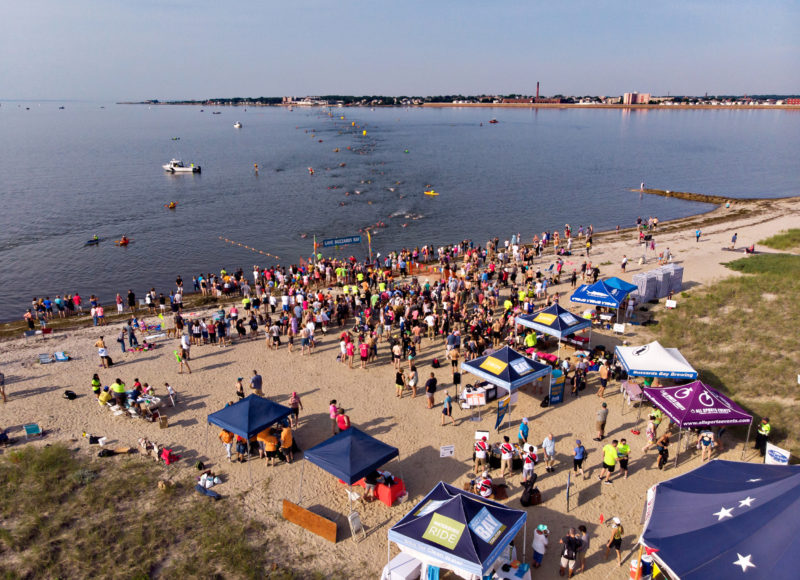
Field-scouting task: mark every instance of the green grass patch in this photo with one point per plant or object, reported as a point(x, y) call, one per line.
point(785, 240)
point(741, 336)
point(66, 515)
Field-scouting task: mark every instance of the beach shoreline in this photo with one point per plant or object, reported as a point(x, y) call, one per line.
point(739, 209)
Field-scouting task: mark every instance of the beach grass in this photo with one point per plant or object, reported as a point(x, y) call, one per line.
point(67, 514)
point(785, 240)
point(741, 336)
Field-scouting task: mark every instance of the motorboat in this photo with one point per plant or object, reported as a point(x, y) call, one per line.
point(237, 125)
point(493, 121)
point(177, 166)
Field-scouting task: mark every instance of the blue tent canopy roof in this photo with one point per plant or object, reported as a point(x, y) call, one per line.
point(506, 368)
point(248, 417)
point(621, 284)
point(464, 531)
point(600, 294)
point(555, 321)
point(351, 455)
point(727, 520)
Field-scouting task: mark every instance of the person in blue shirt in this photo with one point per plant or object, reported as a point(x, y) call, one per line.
point(578, 455)
point(522, 434)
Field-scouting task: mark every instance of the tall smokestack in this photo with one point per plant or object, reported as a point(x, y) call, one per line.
point(537, 90)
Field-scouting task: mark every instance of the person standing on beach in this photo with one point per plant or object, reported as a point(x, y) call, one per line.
point(522, 434)
point(604, 372)
point(624, 263)
point(333, 410)
point(295, 404)
point(430, 390)
point(256, 384)
point(609, 462)
point(549, 449)
point(342, 420)
point(623, 455)
point(697, 235)
point(447, 409)
point(131, 300)
point(102, 351)
point(600, 422)
point(733, 241)
point(616, 539)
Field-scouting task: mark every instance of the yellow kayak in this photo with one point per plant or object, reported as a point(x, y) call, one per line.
point(431, 192)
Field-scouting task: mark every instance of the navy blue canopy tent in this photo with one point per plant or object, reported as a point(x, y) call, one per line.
point(506, 368)
point(726, 520)
point(600, 294)
point(248, 417)
point(351, 455)
point(454, 529)
point(555, 321)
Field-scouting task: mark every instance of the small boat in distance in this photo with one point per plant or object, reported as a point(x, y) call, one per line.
point(177, 166)
point(237, 125)
point(216, 113)
point(493, 121)
point(431, 192)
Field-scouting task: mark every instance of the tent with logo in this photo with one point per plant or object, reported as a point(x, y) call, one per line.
point(621, 284)
point(506, 368)
point(697, 405)
point(600, 294)
point(555, 321)
point(653, 360)
point(248, 417)
point(726, 520)
point(457, 530)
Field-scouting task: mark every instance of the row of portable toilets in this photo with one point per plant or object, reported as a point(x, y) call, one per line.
point(658, 283)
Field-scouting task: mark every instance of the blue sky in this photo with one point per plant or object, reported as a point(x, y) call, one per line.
point(171, 49)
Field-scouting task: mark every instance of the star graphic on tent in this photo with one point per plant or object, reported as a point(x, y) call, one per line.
point(746, 501)
point(723, 513)
point(754, 480)
point(744, 562)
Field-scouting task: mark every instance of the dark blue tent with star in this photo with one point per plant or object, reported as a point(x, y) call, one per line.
point(506, 368)
point(726, 520)
point(454, 529)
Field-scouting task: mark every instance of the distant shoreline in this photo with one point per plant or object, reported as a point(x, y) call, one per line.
point(481, 106)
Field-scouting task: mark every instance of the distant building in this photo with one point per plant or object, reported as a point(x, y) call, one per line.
point(793, 101)
point(526, 100)
point(635, 98)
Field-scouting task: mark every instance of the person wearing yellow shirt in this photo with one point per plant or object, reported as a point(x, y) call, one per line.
point(104, 397)
point(270, 445)
point(623, 454)
point(118, 389)
point(530, 339)
point(609, 461)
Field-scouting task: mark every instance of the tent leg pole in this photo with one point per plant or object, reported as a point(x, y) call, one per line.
point(678, 450)
point(524, 543)
point(747, 441)
point(300, 494)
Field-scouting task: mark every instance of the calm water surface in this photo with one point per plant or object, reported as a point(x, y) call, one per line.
point(68, 174)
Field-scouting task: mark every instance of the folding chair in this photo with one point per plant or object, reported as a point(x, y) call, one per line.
point(29, 333)
point(357, 530)
point(32, 429)
point(45, 358)
point(46, 332)
point(61, 356)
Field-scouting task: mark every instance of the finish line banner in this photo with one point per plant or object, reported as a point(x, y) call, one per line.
point(346, 241)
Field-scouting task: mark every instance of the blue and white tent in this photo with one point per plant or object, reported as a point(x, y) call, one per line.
point(506, 368)
point(555, 321)
point(620, 284)
point(457, 530)
point(600, 294)
point(653, 360)
point(726, 520)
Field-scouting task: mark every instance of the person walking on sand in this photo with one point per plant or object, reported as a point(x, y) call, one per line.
point(609, 462)
point(697, 235)
point(569, 552)
point(181, 361)
point(624, 263)
point(615, 541)
point(400, 383)
point(333, 410)
point(733, 241)
point(623, 455)
point(481, 450)
point(583, 536)
point(539, 544)
point(240, 388)
point(295, 404)
point(447, 409)
point(578, 455)
point(549, 450)
point(604, 372)
point(600, 422)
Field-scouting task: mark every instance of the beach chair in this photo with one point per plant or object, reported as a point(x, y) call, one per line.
point(46, 332)
point(31, 430)
point(61, 356)
point(45, 358)
point(357, 531)
point(29, 333)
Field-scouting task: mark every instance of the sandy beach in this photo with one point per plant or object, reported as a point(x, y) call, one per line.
point(35, 395)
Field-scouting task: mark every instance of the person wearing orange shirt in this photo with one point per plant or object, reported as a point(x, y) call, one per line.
point(227, 440)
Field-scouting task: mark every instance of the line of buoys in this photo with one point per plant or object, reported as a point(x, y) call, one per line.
point(248, 247)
